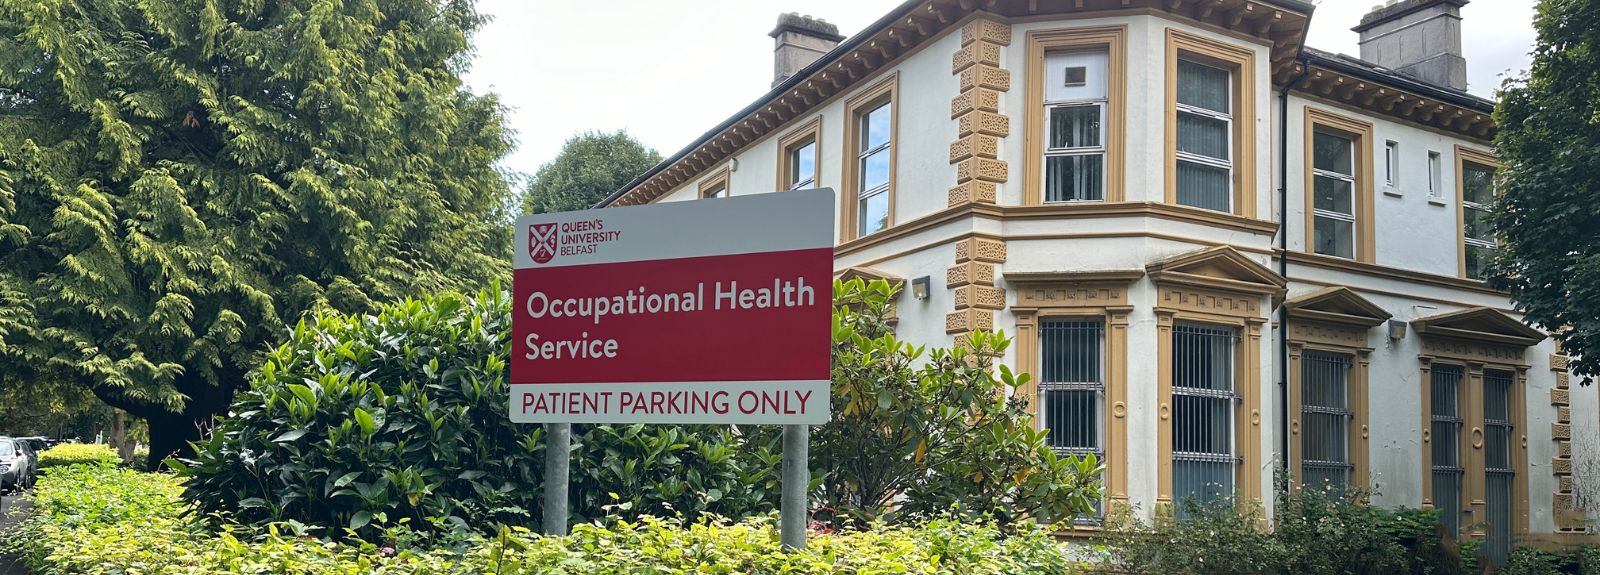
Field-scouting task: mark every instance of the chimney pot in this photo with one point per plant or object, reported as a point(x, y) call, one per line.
point(1417, 38)
point(798, 41)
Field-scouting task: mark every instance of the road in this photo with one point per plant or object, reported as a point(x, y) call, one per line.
point(14, 510)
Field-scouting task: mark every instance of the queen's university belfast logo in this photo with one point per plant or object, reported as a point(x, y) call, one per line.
point(542, 242)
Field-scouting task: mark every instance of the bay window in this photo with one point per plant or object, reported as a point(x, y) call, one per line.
point(1075, 111)
point(1205, 136)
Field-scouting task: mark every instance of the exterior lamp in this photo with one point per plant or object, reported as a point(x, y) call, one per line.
point(919, 288)
point(1397, 329)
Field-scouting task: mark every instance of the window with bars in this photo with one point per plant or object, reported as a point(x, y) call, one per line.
point(1498, 469)
point(1325, 419)
point(1334, 180)
point(1075, 110)
point(1072, 386)
point(1205, 136)
point(1203, 411)
point(1477, 196)
point(1445, 435)
point(873, 156)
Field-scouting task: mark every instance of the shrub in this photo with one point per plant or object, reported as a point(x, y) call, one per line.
point(1330, 531)
point(935, 432)
point(1212, 538)
point(78, 453)
point(403, 414)
point(143, 534)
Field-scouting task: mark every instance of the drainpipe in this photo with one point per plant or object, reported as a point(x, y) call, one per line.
point(1283, 262)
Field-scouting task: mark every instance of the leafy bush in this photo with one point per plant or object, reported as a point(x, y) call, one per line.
point(935, 432)
point(1213, 538)
point(78, 453)
point(1527, 561)
point(130, 525)
point(1331, 531)
point(403, 414)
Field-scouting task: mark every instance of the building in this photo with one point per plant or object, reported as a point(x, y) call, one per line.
point(1216, 247)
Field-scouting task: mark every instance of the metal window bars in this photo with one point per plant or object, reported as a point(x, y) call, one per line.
point(1072, 386)
point(1498, 470)
point(1445, 398)
point(1204, 403)
point(1325, 417)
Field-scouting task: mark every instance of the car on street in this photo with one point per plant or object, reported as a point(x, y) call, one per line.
point(18, 465)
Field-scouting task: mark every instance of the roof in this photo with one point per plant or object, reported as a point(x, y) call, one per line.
point(1372, 72)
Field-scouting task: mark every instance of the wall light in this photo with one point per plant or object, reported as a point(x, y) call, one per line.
point(919, 288)
point(1397, 329)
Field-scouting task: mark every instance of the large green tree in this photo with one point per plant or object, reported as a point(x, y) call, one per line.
point(1547, 215)
point(181, 180)
point(590, 166)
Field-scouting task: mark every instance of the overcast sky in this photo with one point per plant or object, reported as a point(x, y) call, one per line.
point(667, 71)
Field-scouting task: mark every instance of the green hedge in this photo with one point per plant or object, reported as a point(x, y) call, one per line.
point(100, 520)
point(78, 453)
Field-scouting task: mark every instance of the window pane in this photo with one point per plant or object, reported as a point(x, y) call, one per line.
point(1204, 186)
point(1203, 135)
point(1331, 153)
point(1203, 86)
point(1071, 351)
point(875, 170)
point(1446, 440)
point(875, 127)
point(1335, 237)
point(874, 214)
point(1072, 178)
point(1478, 261)
point(1325, 418)
point(802, 164)
point(1202, 412)
point(1333, 195)
point(1092, 65)
point(1476, 223)
point(1070, 417)
point(1074, 127)
point(1477, 184)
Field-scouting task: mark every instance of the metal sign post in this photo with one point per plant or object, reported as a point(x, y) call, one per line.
point(706, 312)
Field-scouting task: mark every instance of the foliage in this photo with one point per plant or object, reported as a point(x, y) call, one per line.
point(103, 521)
point(180, 181)
point(78, 454)
point(51, 408)
point(1529, 561)
point(590, 167)
point(1330, 531)
point(1549, 132)
point(947, 434)
point(1213, 538)
point(403, 414)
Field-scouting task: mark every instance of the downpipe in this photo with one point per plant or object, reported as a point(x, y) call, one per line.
point(1283, 270)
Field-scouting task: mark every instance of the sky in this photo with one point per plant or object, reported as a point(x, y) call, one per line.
point(668, 70)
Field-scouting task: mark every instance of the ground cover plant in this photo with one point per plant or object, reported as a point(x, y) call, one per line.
point(78, 453)
point(100, 520)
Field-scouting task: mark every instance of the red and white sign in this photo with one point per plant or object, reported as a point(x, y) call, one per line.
point(708, 311)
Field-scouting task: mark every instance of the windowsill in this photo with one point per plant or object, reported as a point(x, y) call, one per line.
point(1437, 201)
point(1393, 192)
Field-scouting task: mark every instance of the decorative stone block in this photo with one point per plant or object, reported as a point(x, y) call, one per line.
point(973, 192)
point(1560, 397)
point(1564, 483)
point(975, 145)
point(1561, 431)
point(969, 320)
point(975, 99)
point(981, 169)
point(969, 273)
point(981, 122)
point(1563, 379)
point(1561, 466)
point(981, 297)
point(981, 249)
point(981, 76)
point(1564, 449)
point(1564, 414)
point(1558, 362)
point(981, 52)
point(986, 30)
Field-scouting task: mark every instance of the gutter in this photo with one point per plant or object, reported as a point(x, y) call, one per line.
point(1283, 261)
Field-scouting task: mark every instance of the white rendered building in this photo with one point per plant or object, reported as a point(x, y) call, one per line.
point(1217, 249)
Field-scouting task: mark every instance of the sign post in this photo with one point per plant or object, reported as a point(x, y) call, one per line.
point(713, 311)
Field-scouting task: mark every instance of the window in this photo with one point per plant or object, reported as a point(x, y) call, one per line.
point(1445, 435)
point(715, 186)
point(1477, 198)
point(869, 164)
point(1334, 195)
point(1499, 472)
point(1203, 399)
point(798, 158)
point(1435, 172)
point(1072, 385)
point(1205, 136)
point(1075, 130)
point(1325, 417)
point(1391, 164)
point(1075, 110)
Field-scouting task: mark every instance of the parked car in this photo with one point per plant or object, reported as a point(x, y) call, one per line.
point(18, 465)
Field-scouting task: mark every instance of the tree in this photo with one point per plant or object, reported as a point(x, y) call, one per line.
point(181, 181)
point(590, 167)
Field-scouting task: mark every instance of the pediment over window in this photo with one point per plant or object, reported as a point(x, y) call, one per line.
point(869, 274)
point(1479, 324)
point(1340, 305)
point(1221, 268)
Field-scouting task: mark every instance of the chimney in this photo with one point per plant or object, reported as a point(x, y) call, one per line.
point(799, 41)
point(1417, 38)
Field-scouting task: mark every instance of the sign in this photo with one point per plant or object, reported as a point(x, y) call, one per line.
point(708, 311)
